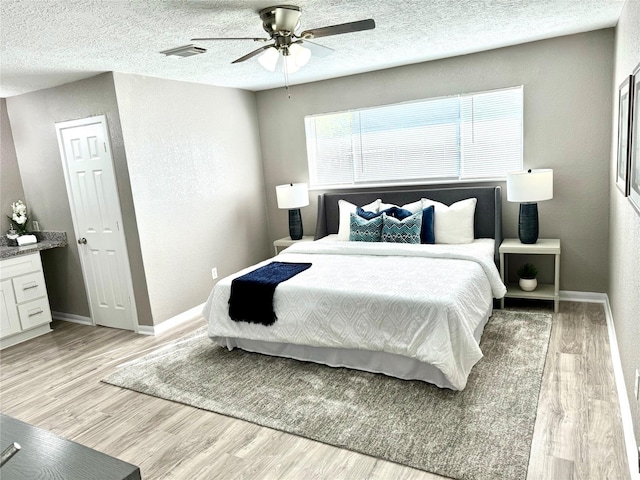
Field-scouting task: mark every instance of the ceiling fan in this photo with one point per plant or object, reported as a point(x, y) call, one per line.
point(281, 22)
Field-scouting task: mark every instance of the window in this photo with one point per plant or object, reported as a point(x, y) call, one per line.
point(463, 137)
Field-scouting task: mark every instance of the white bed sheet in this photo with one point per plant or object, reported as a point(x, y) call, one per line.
point(418, 301)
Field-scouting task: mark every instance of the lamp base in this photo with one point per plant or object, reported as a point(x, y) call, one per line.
point(295, 224)
point(528, 223)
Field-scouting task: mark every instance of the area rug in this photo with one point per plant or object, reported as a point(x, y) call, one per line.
point(483, 432)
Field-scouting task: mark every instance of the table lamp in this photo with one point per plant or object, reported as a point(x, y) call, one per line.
point(292, 196)
point(528, 188)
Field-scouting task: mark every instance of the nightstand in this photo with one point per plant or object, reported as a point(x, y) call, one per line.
point(285, 242)
point(544, 246)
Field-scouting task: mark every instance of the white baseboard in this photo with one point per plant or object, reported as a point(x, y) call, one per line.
point(146, 330)
point(591, 297)
point(625, 408)
point(173, 322)
point(623, 399)
point(142, 329)
point(70, 317)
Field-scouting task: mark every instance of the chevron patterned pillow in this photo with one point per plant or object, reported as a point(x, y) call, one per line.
point(401, 231)
point(363, 230)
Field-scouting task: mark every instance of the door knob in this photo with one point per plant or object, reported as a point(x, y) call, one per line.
point(82, 240)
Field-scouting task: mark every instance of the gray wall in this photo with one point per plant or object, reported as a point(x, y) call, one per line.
point(567, 111)
point(624, 226)
point(10, 180)
point(33, 117)
point(193, 154)
point(189, 173)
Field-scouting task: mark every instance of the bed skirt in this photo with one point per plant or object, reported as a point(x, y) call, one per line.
point(390, 364)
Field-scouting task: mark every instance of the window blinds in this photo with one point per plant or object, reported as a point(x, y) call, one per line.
point(491, 133)
point(461, 137)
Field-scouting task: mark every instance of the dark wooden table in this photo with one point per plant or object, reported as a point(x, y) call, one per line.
point(45, 455)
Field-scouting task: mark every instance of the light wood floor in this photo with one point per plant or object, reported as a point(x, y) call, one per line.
point(54, 382)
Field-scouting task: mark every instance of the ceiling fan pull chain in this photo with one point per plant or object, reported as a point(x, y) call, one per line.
point(286, 77)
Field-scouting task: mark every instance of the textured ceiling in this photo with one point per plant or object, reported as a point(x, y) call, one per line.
point(45, 43)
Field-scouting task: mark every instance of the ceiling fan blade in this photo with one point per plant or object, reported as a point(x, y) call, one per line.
point(230, 38)
point(358, 26)
point(252, 54)
point(316, 49)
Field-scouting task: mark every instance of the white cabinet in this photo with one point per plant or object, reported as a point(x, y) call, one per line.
point(24, 305)
point(9, 320)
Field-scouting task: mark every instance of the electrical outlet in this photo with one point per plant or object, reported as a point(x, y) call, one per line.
point(35, 225)
point(637, 383)
point(214, 274)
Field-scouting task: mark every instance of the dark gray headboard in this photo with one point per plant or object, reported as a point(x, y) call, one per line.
point(488, 219)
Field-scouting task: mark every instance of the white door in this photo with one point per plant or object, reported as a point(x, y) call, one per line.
point(93, 196)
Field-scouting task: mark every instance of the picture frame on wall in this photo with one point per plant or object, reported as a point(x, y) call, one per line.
point(634, 141)
point(625, 105)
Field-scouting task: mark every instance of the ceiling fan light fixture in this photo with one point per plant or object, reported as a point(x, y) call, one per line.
point(289, 65)
point(300, 54)
point(281, 18)
point(281, 23)
point(269, 59)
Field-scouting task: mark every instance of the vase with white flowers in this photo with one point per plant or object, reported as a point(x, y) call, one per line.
point(19, 218)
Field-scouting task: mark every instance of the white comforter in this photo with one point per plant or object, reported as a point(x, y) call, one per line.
point(419, 301)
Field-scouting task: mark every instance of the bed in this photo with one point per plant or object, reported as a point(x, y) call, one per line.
point(415, 312)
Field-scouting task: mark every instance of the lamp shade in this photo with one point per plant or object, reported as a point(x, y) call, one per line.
point(300, 54)
point(530, 186)
point(269, 59)
point(292, 195)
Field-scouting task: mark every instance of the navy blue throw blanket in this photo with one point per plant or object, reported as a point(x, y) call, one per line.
point(251, 297)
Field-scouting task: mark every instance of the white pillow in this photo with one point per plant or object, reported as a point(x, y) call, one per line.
point(346, 209)
point(413, 207)
point(453, 224)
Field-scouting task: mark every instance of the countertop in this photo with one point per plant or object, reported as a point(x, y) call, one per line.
point(46, 241)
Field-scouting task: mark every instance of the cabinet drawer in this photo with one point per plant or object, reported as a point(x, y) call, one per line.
point(34, 313)
point(19, 265)
point(29, 287)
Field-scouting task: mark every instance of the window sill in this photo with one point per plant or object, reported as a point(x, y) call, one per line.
point(357, 186)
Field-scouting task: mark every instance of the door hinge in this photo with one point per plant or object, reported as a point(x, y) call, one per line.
point(105, 146)
point(117, 225)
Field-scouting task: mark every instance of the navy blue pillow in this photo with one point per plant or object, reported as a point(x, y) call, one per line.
point(366, 214)
point(426, 232)
point(395, 212)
